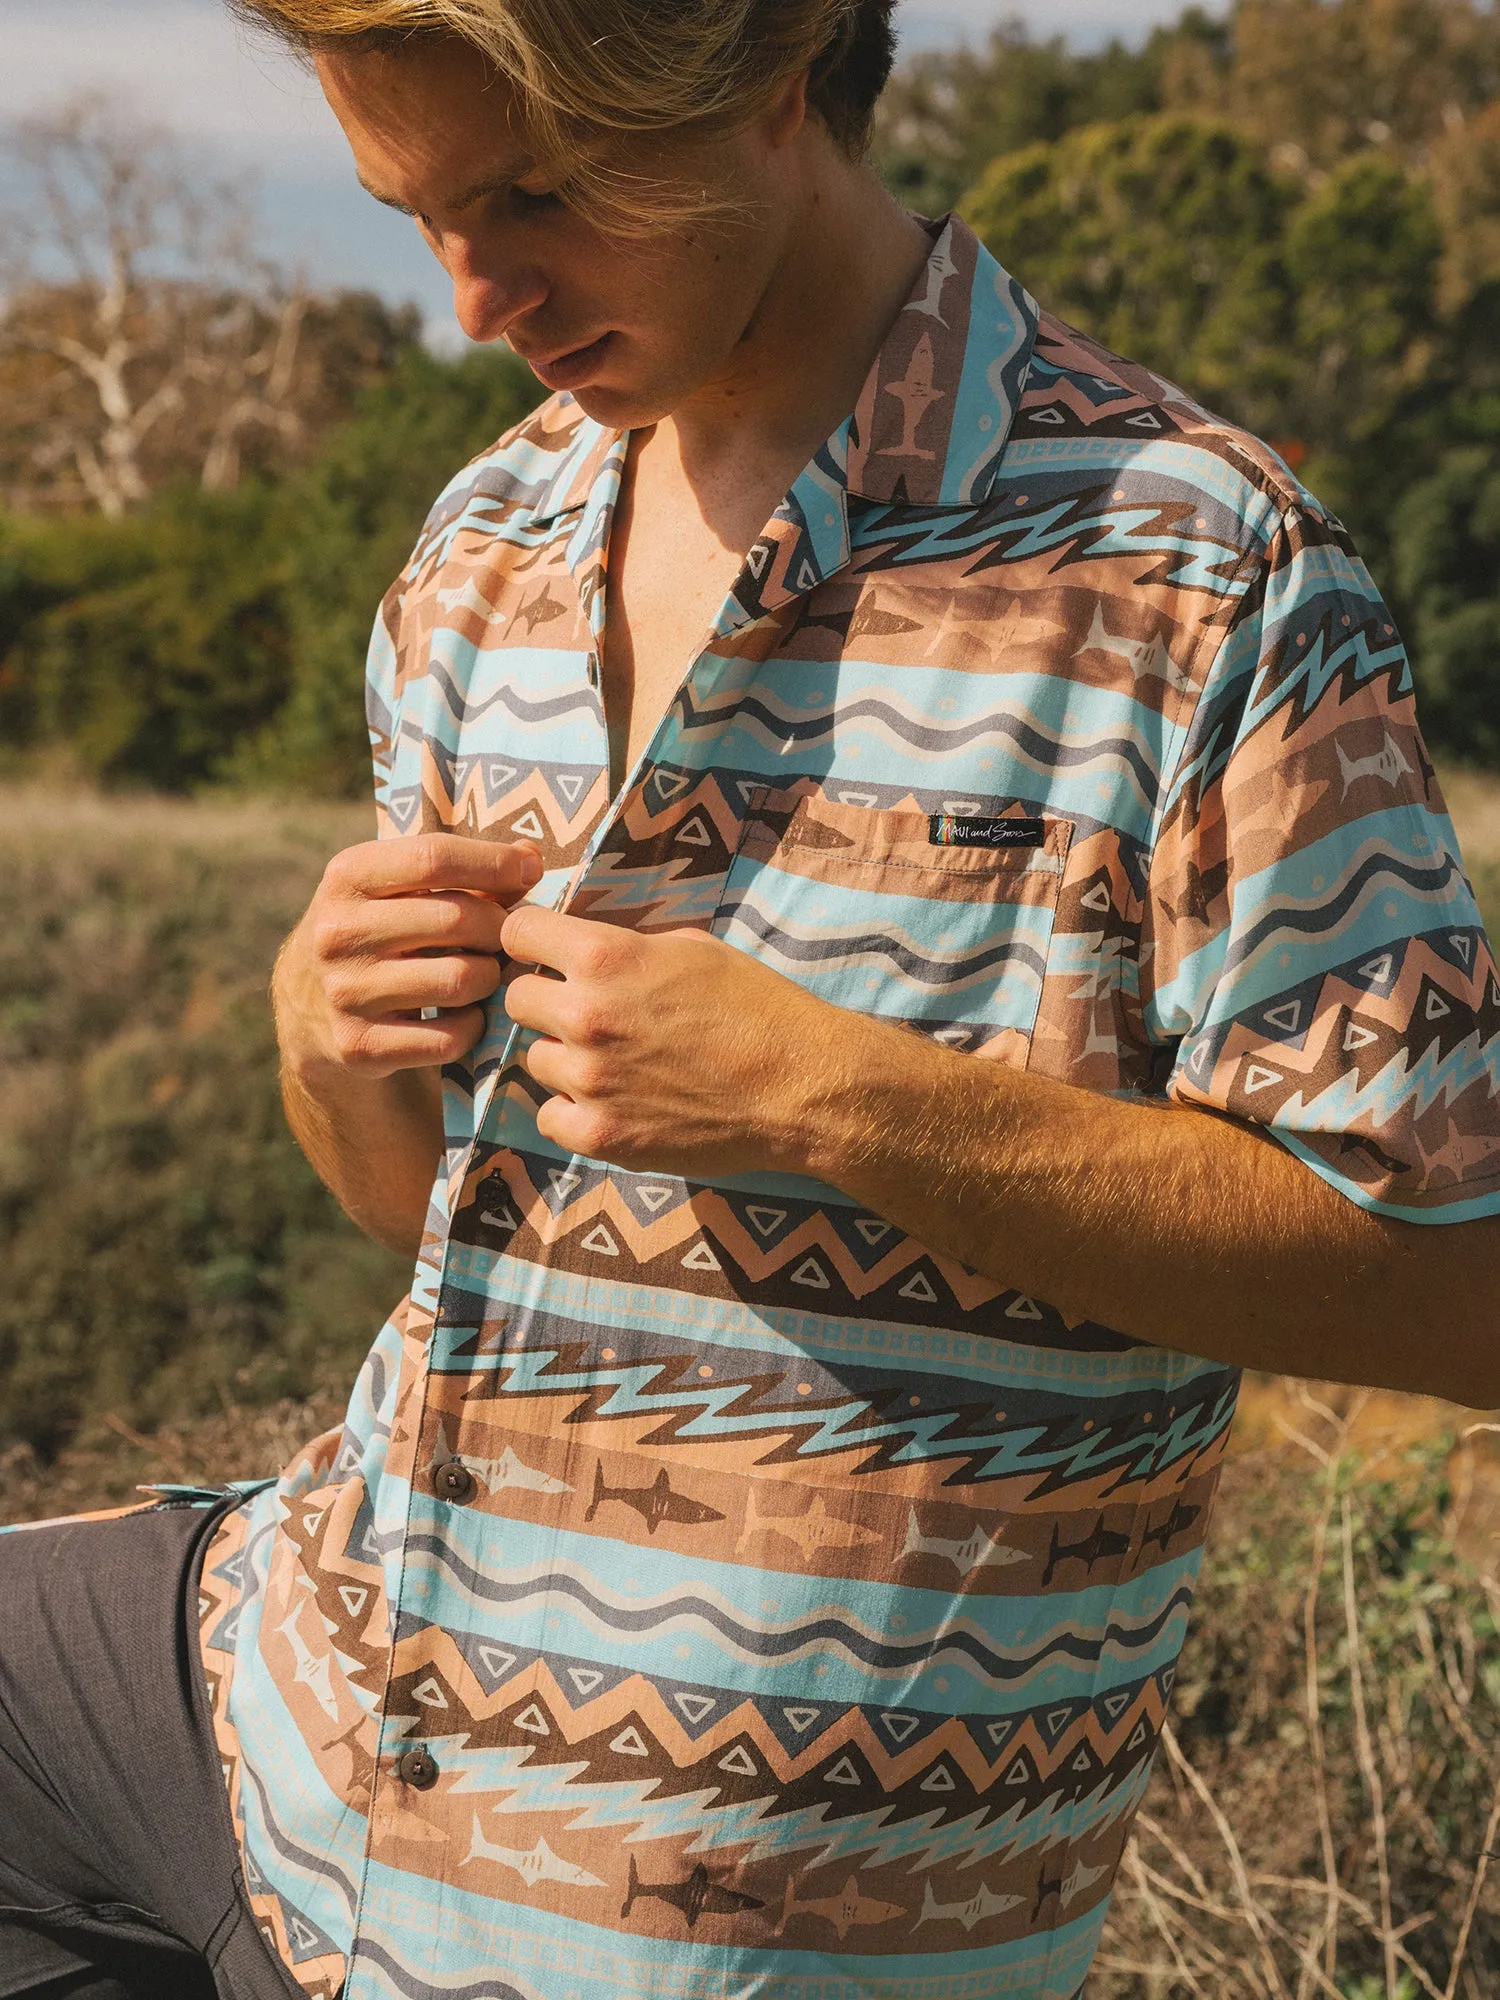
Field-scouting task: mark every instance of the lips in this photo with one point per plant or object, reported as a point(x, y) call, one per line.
point(572, 369)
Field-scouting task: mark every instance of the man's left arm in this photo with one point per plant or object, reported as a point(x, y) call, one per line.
point(1174, 1226)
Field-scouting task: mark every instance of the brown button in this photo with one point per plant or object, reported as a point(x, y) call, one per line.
point(454, 1481)
point(418, 1769)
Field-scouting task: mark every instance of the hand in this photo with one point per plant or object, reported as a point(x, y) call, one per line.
point(672, 1053)
point(396, 926)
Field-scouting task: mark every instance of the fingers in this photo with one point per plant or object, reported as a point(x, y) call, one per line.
point(385, 926)
point(381, 1047)
point(406, 985)
point(431, 864)
point(577, 947)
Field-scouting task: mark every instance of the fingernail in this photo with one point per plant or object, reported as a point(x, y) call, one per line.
point(531, 870)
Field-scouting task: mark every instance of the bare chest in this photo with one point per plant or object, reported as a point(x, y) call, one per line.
point(672, 563)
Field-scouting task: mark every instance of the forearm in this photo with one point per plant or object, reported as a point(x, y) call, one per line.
point(374, 1143)
point(1170, 1225)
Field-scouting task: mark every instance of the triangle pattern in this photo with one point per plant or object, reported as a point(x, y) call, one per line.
point(766, 1221)
point(628, 1743)
point(873, 1229)
point(694, 833)
point(529, 826)
point(938, 1779)
point(601, 1242)
point(802, 1719)
point(429, 1693)
point(354, 1597)
point(585, 1679)
point(811, 1274)
point(533, 1720)
point(495, 1661)
point(695, 1706)
point(1098, 899)
point(739, 1762)
point(1378, 970)
point(1024, 1309)
point(843, 1773)
point(900, 1728)
point(1356, 1037)
point(918, 1287)
point(701, 1258)
point(1258, 1078)
point(1287, 1017)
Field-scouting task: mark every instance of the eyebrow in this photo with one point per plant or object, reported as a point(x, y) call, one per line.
point(491, 184)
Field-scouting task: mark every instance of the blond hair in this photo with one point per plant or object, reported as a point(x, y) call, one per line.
point(598, 80)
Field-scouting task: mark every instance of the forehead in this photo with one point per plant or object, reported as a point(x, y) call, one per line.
point(433, 115)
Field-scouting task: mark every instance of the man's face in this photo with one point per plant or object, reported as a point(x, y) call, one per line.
point(632, 327)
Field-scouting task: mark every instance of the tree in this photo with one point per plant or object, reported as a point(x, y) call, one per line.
point(948, 115)
point(143, 337)
point(1320, 79)
point(1446, 540)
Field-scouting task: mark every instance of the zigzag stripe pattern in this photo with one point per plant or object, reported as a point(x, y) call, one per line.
point(712, 1590)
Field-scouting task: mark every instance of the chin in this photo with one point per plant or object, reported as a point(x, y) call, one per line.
point(623, 407)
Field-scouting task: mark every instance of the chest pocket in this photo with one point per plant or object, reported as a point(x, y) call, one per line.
point(872, 912)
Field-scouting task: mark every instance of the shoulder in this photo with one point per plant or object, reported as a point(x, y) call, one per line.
point(517, 485)
point(1087, 411)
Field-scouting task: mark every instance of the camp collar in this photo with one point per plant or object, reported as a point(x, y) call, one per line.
point(932, 421)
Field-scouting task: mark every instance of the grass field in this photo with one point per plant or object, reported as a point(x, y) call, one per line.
point(183, 1302)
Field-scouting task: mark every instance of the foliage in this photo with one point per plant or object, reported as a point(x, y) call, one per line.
point(947, 115)
point(1447, 566)
point(223, 635)
point(146, 644)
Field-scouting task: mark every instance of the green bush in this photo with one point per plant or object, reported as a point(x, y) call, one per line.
point(223, 636)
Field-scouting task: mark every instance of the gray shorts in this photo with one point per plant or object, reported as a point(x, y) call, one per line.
point(119, 1873)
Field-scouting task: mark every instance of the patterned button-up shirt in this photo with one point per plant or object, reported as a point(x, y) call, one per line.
point(801, 1616)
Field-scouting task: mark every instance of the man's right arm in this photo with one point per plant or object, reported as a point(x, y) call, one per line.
point(396, 926)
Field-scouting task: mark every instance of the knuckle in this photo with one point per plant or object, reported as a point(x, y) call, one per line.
point(590, 1025)
point(426, 859)
point(591, 1076)
point(353, 1040)
point(596, 1134)
point(332, 935)
point(448, 919)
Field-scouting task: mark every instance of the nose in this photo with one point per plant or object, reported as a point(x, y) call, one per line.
point(490, 290)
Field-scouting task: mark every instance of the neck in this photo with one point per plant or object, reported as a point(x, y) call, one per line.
point(851, 258)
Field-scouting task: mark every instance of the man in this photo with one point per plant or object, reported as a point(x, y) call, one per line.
point(911, 856)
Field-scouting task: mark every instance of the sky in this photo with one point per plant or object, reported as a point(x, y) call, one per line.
point(252, 113)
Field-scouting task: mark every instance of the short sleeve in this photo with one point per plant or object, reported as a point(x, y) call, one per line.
point(1313, 961)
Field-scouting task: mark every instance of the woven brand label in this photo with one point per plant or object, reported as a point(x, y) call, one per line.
point(945, 830)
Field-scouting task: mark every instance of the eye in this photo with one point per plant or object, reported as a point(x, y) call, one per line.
point(527, 201)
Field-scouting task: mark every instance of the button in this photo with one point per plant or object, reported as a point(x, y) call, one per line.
point(418, 1769)
point(454, 1481)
